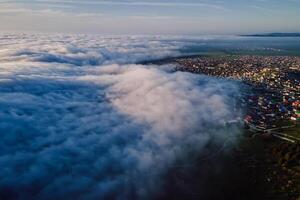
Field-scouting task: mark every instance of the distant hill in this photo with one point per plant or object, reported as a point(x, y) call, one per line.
point(274, 35)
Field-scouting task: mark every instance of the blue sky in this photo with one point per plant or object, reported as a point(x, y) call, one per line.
point(150, 16)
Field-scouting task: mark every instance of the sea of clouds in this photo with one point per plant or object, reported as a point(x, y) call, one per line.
point(79, 119)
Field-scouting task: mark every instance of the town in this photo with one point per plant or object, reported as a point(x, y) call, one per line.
point(274, 81)
point(270, 103)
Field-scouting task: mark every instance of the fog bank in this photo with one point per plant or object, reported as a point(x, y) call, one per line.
point(80, 120)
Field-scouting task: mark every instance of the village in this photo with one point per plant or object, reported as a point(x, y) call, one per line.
point(274, 100)
point(270, 103)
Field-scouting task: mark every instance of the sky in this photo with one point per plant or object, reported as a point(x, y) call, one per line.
point(150, 16)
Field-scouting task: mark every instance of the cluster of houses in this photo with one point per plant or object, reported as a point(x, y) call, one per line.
point(274, 80)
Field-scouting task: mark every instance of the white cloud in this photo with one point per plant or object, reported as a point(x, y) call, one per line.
point(80, 120)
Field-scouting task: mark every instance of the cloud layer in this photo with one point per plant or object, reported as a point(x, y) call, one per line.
point(80, 120)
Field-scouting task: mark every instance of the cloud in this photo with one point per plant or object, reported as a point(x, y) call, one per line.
point(90, 51)
point(260, 8)
point(208, 4)
point(149, 17)
point(99, 16)
point(81, 120)
point(19, 9)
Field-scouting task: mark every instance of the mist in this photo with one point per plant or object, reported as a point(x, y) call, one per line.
point(81, 120)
